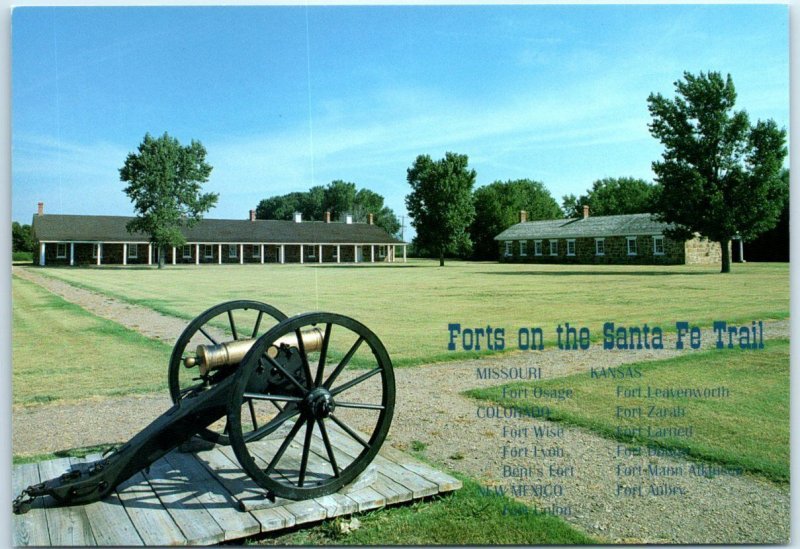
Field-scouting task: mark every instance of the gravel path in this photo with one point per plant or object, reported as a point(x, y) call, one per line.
point(430, 410)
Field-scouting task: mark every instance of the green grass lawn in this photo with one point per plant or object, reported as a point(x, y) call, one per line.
point(466, 517)
point(60, 351)
point(748, 429)
point(410, 305)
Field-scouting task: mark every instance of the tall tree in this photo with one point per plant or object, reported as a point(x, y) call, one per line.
point(497, 207)
point(164, 183)
point(612, 196)
point(719, 176)
point(340, 197)
point(440, 203)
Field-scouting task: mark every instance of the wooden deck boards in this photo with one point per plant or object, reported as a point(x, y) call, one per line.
point(206, 498)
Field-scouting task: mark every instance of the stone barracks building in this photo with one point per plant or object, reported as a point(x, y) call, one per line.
point(611, 239)
point(103, 240)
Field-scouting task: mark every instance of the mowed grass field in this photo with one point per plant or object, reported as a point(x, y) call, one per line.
point(747, 427)
point(63, 352)
point(60, 351)
point(409, 306)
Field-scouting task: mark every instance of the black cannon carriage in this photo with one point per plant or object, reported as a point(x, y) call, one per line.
point(244, 374)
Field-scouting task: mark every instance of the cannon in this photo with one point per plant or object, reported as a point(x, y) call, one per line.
point(244, 374)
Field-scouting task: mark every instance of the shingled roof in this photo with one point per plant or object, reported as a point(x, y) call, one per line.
point(107, 228)
point(586, 227)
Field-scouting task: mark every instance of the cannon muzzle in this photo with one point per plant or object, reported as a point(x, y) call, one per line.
point(230, 353)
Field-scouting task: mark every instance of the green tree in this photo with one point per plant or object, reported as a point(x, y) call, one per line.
point(21, 238)
point(440, 204)
point(719, 175)
point(497, 207)
point(772, 245)
point(612, 196)
point(339, 197)
point(279, 207)
point(164, 183)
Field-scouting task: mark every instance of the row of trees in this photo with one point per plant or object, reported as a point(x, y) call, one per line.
point(443, 202)
point(338, 197)
point(719, 176)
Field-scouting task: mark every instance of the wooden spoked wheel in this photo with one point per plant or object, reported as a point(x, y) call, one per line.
point(230, 321)
point(332, 383)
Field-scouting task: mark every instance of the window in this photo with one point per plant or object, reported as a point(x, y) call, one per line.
point(658, 245)
point(632, 249)
point(571, 247)
point(537, 247)
point(312, 251)
point(508, 248)
point(336, 252)
point(61, 251)
point(599, 246)
point(133, 251)
point(233, 251)
point(256, 250)
point(187, 252)
point(554, 247)
point(523, 248)
point(208, 251)
point(381, 251)
point(95, 250)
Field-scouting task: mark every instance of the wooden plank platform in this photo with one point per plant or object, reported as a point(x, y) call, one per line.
point(205, 498)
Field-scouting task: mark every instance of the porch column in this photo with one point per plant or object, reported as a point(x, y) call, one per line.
point(301, 253)
point(355, 254)
point(173, 255)
point(741, 251)
point(262, 253)
point(372, 253)
point(99, 252)
point(320, 253)
point(149, 253)
point(219, 254)
point(197, 254)
point(41, 254)
point(338, 254)
point(283, 256)
point(241, 254)
point(125, 253)
point(404, 253)
point(71, 254)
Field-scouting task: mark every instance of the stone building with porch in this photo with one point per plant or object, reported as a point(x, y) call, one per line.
point(636, 239)
point(104, 240)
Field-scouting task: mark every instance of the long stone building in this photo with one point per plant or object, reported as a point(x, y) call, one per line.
point(612, 239)
point(103, 239)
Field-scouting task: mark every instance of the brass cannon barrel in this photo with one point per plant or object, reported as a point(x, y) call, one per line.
point(212, 357)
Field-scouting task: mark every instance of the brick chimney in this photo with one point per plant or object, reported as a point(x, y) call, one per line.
point(327, 217)
point(369, 219)
point(41, 208)
point(523, 216)
point(585, 211)
point(252, 215)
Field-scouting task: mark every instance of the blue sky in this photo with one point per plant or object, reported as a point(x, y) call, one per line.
point(284, 98)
